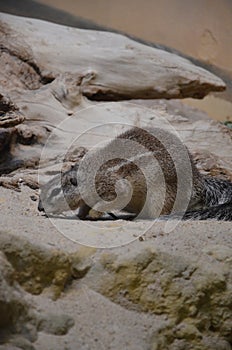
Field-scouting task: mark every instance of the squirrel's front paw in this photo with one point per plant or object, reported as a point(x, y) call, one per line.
point(95, 214)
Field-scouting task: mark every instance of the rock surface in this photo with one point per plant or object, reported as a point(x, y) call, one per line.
point(166, 291)
point(20, 321)
point(17, 317)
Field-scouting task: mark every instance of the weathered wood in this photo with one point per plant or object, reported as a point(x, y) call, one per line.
point(109, 66)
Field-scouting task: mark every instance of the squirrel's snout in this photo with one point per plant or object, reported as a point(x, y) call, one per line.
point(40, 206)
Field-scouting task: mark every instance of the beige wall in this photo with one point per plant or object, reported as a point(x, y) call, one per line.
point(200, 28)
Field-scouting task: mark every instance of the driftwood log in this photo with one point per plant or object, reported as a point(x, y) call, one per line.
point(53, 78)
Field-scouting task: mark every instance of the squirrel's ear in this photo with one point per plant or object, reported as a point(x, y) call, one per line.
point(73, 181)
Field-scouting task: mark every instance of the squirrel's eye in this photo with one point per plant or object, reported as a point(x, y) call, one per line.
point(55, 192)
point(73, 181)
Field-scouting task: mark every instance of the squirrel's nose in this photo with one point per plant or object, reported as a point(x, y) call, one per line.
point(40, 206)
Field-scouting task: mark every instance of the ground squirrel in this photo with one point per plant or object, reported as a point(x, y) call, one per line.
point(146, 172)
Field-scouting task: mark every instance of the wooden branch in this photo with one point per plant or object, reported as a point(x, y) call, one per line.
point(109, 66)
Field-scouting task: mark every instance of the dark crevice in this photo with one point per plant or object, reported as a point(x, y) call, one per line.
point(47, 79)
point(183, 92)
point(44, 79)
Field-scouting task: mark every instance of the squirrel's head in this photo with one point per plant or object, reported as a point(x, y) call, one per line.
point(60, 194)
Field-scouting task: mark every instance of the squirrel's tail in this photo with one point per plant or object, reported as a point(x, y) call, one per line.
point(218, 212)
point(217, 201)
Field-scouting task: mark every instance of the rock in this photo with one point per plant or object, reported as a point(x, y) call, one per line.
point(39, 268)
point(17, 315)
point(36, 267)
point(14, 182)
point(212, 165)
point(55, 324)
point(169, 291)
point(9, 347)
point(20, 322)
point(21, 343)
point(9, 113)
point(195, 297)
point(219, 252)
point(82, 261)
point(10, 116)
point(6, 138)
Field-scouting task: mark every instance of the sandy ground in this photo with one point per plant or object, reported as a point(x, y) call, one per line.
point(19, 216)
point(100, 323)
